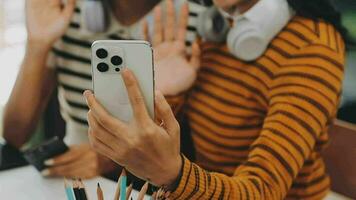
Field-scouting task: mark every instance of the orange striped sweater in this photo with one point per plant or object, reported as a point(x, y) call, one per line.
point(258, 127)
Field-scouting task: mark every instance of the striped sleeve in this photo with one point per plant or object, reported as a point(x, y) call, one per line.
point(303, 99)
point(176, 102)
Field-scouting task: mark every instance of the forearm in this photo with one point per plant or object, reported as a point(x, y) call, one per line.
point(299, 112)
point(29, 96)
point(220, 186)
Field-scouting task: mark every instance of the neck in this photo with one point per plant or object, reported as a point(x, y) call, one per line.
point(127, 12)
point(241, 6)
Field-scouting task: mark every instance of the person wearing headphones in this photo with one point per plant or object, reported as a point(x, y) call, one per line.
point(258, 101)
point(58, 56)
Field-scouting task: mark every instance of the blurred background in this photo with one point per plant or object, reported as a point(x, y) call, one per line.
point(13, 37)
point(12, 42)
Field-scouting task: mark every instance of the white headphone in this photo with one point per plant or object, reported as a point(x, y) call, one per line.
point(251, 32)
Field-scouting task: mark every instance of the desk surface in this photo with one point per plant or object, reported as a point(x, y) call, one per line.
point(26, 183)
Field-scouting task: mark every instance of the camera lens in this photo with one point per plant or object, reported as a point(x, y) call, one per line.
point(117, 69)
point(101, 53)
point(116, 60)
point(102, 67)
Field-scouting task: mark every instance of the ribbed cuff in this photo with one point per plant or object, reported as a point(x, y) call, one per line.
point(186, 184)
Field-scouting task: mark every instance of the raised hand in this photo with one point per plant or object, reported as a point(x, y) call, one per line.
point(47, 20)
point(174, 72)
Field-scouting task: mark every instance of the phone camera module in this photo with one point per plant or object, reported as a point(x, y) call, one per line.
point(116, 60)
point(103, 67)
point(101, 53)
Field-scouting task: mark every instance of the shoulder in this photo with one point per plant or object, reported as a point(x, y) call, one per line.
point(305, 32)
point(312, 55)
point(308, 41)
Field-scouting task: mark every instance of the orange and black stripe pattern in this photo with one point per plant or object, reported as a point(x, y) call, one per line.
point(259, 127)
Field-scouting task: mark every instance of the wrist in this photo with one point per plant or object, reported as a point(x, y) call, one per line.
point(109, 166)
point(36, 45)
point(106, 165)
point(172, 183)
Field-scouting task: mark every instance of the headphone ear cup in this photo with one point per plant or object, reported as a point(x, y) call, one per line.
point(95, 18)
point(245, 41)
point(212, 26)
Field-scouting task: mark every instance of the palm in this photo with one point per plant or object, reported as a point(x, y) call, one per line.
point(48, 20)
point(175, 73)
point(168, 49)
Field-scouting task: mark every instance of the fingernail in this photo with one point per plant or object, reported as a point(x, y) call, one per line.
point(126, 72)
point(87, 93)
point(49, 162)
point(128, 75)
point(45, 172)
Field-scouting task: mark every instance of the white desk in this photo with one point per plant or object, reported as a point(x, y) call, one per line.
point(26, 183)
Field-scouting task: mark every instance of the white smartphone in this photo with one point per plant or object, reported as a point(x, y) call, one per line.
point(109, 58)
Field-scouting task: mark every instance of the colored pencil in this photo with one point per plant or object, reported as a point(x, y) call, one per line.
point(123, 183)
point(117, 191)
point(82, 191)
point(128, 191)
point(153, 197)
point(143, 191)
point(69, 191)
point(99, 193)
point(76, 190)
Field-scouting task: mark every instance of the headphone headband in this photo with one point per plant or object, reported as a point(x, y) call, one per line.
point(252, 31)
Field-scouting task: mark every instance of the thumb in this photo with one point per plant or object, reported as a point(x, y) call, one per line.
point(195, 57)
point(166, 114)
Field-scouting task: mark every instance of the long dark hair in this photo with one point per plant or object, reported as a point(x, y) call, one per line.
point(320, 9)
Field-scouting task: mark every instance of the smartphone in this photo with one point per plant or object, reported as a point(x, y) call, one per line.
point(10, 157)
point(37, 155)
point(109, 58)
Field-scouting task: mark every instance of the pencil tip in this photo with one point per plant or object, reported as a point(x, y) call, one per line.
point(144, 188)
point(98, 185)
point(146, 184)
point(123, 172)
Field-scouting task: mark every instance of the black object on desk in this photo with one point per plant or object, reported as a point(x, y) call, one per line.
point(36, 156)
point(10, 157)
